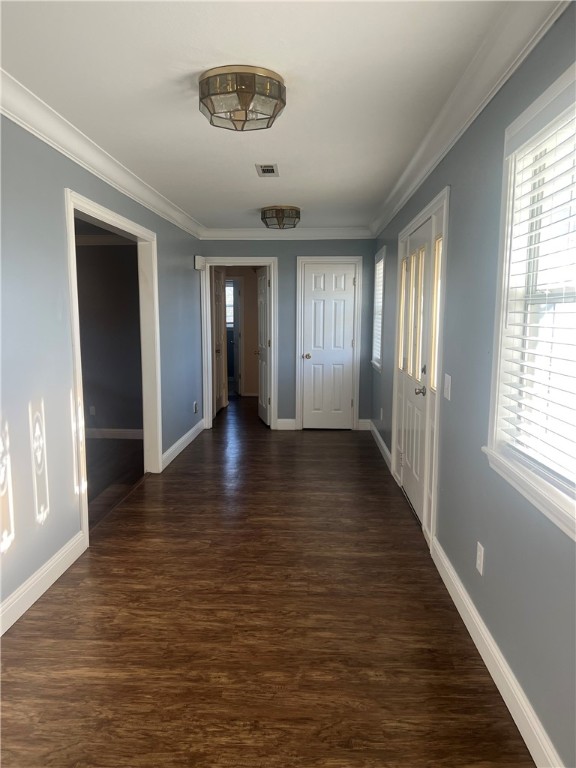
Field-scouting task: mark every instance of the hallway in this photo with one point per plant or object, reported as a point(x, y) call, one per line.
point(268, 601)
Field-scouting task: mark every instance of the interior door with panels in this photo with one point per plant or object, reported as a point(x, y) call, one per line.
point(328, 345)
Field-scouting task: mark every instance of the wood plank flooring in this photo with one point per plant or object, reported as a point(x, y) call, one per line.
point(114, 467)
point(267, 602)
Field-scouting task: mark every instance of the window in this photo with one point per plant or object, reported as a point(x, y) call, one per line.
point(532, 439)
point(229, 305)
point(378, 302)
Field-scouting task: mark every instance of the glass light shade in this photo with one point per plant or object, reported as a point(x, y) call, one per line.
point(280, 216)
point(241, 98)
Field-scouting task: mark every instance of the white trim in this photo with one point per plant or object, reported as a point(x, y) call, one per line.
point(531, 729)
point(383, 448)
point(16, 604)
point(440, 203)
point(363, 425)
point(182, 443)
point(203, 264)
point(149, 327)
point(31, 113)
point(301, 261)
point(550, 501)
point(299, 233)
point(511, 40)
point(114, 434)
point(562, 87)
point(286, 424)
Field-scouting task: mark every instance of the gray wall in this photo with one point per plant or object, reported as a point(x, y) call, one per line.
point(37, 335)
point(109, 308)
point(287, 253)
point(526, 596)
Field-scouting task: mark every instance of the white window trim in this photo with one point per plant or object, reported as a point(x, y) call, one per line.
point(557, 506)
point(380, 257)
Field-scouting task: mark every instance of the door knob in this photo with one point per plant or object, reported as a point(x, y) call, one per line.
point(420, 391)
point(307, 356)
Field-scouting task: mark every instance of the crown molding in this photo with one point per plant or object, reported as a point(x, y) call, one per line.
point(31, 113)
point(299, 233)
point(512, 38)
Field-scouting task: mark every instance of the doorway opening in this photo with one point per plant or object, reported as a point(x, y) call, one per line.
point(239, 334)
point(109, 316)
point(115, 333)
point(416, 407)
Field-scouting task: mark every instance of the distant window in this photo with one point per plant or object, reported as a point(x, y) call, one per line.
point(532, 440)
point(377, 318)
point(229, 305)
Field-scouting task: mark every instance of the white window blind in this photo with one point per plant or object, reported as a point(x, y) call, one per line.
point(377, 322)
point(536, 401)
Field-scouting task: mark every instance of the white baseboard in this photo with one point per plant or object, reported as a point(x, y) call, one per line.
point(537, 740)
point(115, 434)
point(364, 425)
point(16, 604)
point(286, 424)
point(381, 445)
point(169, 455)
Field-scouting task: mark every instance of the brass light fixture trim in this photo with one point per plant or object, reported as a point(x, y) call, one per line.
point(241, 97)
point(280, 216)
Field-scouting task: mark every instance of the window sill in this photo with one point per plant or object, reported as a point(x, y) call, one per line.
point(549, 500)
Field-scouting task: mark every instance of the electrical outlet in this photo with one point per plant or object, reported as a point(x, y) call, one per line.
point(479, 558)
point(447, 386)
point(195, 407)
point(92, 410)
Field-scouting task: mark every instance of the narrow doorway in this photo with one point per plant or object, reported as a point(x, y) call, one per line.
point(240, 338)
point(234, 293)
point(111, 357)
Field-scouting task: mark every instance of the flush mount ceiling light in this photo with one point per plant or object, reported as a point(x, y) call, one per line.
point(241, 98)
point(280, 216)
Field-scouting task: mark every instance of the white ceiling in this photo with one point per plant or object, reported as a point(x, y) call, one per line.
point(365, 82)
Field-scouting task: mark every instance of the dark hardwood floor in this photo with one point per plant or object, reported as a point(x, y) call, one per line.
point(267, 602)
point(113, 467)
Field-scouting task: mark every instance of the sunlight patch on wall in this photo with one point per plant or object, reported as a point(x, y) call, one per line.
point(39, 461)
point(6, 499)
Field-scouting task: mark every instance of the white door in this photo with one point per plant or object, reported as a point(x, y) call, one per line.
point(263, 345)
point(219, 365)
point(328, 346)
point(417, 360)
point(414, 370)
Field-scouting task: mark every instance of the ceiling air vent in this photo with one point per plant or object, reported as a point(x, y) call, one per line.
point(267, 171)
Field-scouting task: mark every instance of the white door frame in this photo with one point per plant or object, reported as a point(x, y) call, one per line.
point(301, 262)
point(441, 201)
point(149, 335)
point(203, 264)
